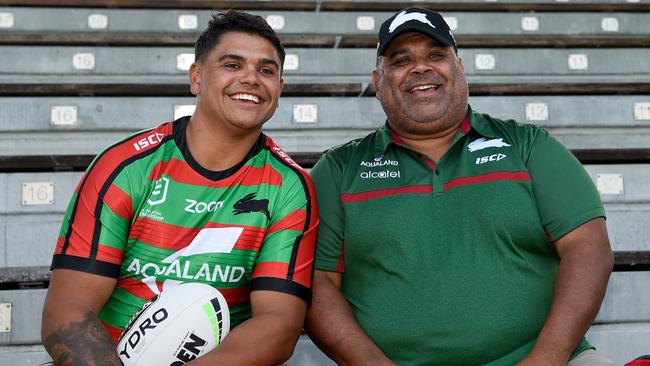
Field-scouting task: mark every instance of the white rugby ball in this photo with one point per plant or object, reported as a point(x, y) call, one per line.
point(183, 322)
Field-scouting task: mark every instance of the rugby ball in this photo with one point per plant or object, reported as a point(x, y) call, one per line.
point(182, 323)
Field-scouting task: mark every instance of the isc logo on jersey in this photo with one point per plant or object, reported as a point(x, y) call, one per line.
point(152, 139)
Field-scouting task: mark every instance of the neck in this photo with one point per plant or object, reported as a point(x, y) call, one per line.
point(433, 145)
point(215, 149)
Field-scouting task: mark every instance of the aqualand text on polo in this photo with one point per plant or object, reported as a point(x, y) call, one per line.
point(451, 263)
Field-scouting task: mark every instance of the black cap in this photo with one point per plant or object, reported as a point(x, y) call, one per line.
point(418, 20)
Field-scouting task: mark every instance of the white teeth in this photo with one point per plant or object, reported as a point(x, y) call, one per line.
point(423, 87)
point(242, 96)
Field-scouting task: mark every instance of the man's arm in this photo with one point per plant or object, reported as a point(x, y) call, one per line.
point(586, 261)
point(71, 332)
point(333, 328)
point(268, 338)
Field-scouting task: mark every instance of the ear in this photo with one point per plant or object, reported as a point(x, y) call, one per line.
point(462, 65)
point(281, 84)
point(195, 78)
point(375, 82)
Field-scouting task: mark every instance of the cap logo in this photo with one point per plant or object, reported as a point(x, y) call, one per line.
point(403, 17)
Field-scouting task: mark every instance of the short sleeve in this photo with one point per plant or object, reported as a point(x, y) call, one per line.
point(95, 227)
point(327, 175)
point(286, 259)
point(565, 194)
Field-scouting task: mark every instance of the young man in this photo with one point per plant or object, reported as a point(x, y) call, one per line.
point(205, 199)
point(449, 237)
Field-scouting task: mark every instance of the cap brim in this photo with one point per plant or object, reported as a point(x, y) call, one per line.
point(422, 30)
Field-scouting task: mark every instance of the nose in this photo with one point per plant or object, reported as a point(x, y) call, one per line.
point(249, 75)
point(421, 65)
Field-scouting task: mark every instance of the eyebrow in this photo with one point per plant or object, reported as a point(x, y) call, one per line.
point(234, 56)
point(431, 44)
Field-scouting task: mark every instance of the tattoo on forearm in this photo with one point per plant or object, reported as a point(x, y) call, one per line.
point(82, 343)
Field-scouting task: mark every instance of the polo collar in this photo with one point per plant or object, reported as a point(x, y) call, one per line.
point(473, 121)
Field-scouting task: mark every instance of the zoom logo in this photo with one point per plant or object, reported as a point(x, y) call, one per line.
point(194, 206)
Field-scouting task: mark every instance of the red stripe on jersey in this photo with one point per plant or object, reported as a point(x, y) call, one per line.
point(271, 269)
point(236, 296)
point(79, 243)
point(293, 221)
point(363, 196)
point(109, 254)
point(250, 239)
point(168, 236)
point(489, 177)
point(429, 162)
point(304, 264)
point(114, 332)
point(340, 267)
point(302, 257)
point(59, 245)
point(84, 219)
point(181, 172)
point(137, 288)
point(119, 202)
point(465, 127)
point(548, 235)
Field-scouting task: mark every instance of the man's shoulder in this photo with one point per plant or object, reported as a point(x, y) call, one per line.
point(137, 145)
point(511, 129)
point(284, 164)
point(356, 147)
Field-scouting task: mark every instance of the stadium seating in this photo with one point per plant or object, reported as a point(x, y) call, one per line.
point(77, 75)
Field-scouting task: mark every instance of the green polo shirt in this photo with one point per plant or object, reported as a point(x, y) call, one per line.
point(451, 263)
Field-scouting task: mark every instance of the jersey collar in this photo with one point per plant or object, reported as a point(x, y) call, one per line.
point(473, 121)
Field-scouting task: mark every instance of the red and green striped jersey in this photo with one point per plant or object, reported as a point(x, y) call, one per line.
point(146, 213)
point(451, 262)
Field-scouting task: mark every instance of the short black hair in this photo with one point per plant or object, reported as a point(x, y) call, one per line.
point(235, 21)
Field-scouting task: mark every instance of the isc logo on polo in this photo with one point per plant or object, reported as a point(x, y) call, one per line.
point(493, 157)
point(150, 140)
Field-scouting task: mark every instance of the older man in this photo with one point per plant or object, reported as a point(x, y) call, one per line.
point(468, 240)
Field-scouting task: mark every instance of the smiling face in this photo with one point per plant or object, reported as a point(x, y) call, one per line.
point(421, 85)
point(238, 83)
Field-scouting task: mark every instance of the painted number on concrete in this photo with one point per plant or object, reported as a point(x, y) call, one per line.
point(5, 317)
point(609, 183)
point(183, 110)
point(365, 23)
point(188, 21)
point(184, 61)
point(292, 62)
point(38, 193)
point(275, 21)
point(305, 113)
point(6, 20)
point(83, 61)
point(578, 61)
point(642, 111)
point(537, 111)
point(530, 24)
point(484, 62)
point(97, 21)
point(63, 115)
